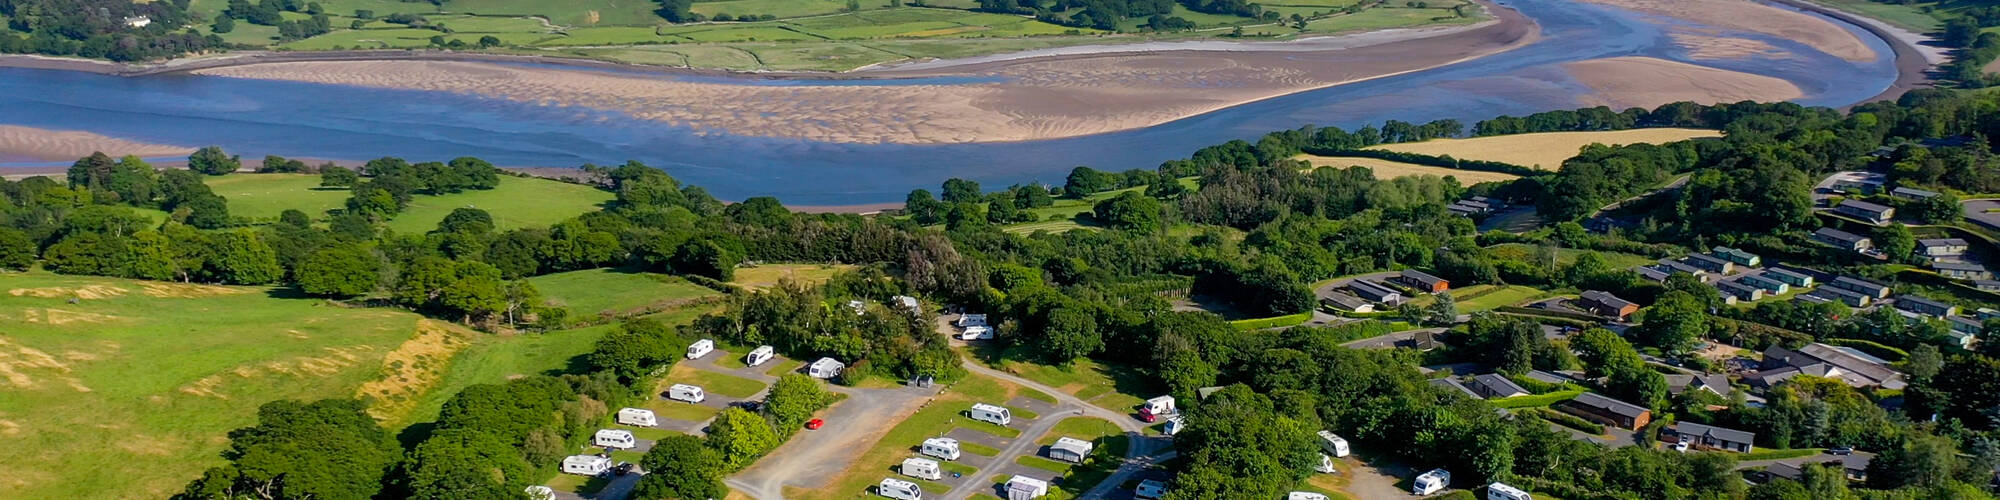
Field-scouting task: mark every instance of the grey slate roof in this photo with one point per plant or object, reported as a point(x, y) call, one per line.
point(1614, 406)
point(1453, 384)
point(1497, 384)
point(1730, 435)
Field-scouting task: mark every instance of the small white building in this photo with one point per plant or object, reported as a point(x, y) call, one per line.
point(1069, 449)
point(1501, 491)
point(825, 368)
point(1150, 488)
point(897, 488)
point(586, 465)
point(615, 438)
point(687, 393)
point(759, 355)
point(1430, 482)
point(1022, 487)
point(993, 414)
point(1332, 444)
point(945, 448)
point(700, 348)
point(922, 468)
point(638, 417)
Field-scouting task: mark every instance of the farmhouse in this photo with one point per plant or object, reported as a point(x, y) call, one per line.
point(1788, 276)
point(1843, 239)
point(1861, 286)
point(1495, 386)
point(1425, 282)
point(1866, 211)
point(1912, 193)
point(1711, 264)
point(1925, 306)
point(1605, 304)
point(1739, 257)
point(1709, 437)
point(1596, 407)
point(1376, 292)
point(1069, 449)
point(1961, 270)
point(1941, 247)
point(1768, 284)
point(1820, 360)
point(1346, 302)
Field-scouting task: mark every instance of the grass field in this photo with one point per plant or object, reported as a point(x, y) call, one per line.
point(1907, 16)
point(934, 419)
point(1385, 18)
point(158, 373)
point(595, 292)
point(264, 196)
point(1544, 151)
point(1116, 388)
point(1385, 169)
point(518, 202)
point(769, 275)
point(726, 385)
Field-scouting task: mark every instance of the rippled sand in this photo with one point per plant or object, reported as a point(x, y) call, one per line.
point(1745, 15)
point(19, 143)
point(1624, 82)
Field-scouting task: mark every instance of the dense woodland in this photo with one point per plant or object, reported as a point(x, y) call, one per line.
point(98, 29)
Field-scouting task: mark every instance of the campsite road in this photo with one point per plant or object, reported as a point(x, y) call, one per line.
point(812, 457)
point(1138, 445)
point(1132, 467)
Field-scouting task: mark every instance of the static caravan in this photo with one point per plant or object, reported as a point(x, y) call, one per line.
point(1156, 408)
point(1069, 449)
point(638, 417)
point(908, 303)
point(1430, 482)
point(615, 438)
point(1332, 444)
point(945, 448)
point(1501, 491)
point(1024, 487)
point(825, 368)
point(700, 348)
point(587, 465)
point(922, 468)
point(897, 488)
point(759, 355)
point(1325, 465)
point(994, 414)
point(688, 393)
point(1173, 426)
point(1305, 495)
point(1150, 488)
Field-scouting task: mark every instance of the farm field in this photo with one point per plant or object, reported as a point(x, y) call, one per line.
point(264, 196)
point(594, 292)
point(769, 275)
point(1385, 169)
point(1545, 151)
point(518, 202)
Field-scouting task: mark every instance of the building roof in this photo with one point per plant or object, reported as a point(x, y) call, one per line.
point(1861, 283)
point(1453, 384)
point(1072, 445)
point(1735, 253)
point(1607, 299)
point(1346, 300)
point(1785, 470)
point(1864, 206)
point(1675, 266)
point(1421, 277)
point(1838, 235)
point(1965, 321)
point(1548, 377)
point(1680, 382)
point(1912, 299)
point(1652, 273)
point(1734, 288)
point(1787, 274)
point(1614, 406)
point(1914, 192)
point(1839, 292)
point(1958, 266)
point(1942, 242)
point(1709, 259)
point(1730, 435)
point(1498, 384)
point(1874, 370)
point(1372, 287)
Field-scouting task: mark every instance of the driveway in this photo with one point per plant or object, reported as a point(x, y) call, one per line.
point(1976, 211)
point(812, 457)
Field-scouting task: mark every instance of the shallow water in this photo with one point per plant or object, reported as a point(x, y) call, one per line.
point(351, 123)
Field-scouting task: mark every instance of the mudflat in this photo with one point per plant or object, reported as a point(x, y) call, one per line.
point(19, 143)
point(1742, 15)
point(1645, 82)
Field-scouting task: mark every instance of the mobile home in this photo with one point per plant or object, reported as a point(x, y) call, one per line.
point(615, 438)
point(587, 465)
point(945, 448)
point(759, 355)
point(1069, 449)
point(688, 393)
point(922, 468)
point(900, 489)
point(1332, 444)
point(639, 417)
point(1430, 482)
point(825, 368)
point(700, 348)
point(1158, 407)
point(1501, 491)
point(995, 414)
point(1024, 487)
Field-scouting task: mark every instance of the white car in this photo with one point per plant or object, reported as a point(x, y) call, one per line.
point(1681, 446)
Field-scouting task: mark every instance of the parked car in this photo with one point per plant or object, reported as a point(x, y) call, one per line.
point(1840, 451)
point(751, 406)
point(1681, 446)
point(815, 424)
point(623, 468)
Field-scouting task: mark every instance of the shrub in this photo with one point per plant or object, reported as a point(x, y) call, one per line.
point(1570, 421)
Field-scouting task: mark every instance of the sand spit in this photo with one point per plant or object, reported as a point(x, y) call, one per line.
point(19, 143)
point(1707, 47)
point(1746, 15)
point(1623, 82)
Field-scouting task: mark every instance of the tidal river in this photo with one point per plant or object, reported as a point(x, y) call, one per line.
point(353, 123)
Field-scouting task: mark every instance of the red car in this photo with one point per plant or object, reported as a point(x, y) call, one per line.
point(815, 424)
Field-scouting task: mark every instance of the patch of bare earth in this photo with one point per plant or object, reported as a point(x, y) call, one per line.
point(87, 292)
point(23, 367)
point(414, 368)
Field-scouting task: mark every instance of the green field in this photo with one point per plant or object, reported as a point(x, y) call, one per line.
point(592, 292)
point(1117, 388)
point(717, 383)
point(1908, 16)
point(518, 202)
point(263, 196)
point(1384, 18)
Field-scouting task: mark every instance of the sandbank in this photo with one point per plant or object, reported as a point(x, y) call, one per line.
point(19, 143)
point(1746, 15)
point(1645, 82)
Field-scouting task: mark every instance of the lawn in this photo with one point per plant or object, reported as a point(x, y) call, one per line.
point(769, 275)
point(175, 367)
point(933, 420)
point(1566, 256)
point(1114, 387)
point(518, 202)
point(497, 358)
point(264, 196)
point(713, 382)
point(1545, 150)
point(1475, 298)
point(595, 292)
point(1385, 169)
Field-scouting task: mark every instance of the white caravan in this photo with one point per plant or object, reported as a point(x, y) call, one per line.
point(922, 468)
point(688, 393)
point(897, 488)
point(1069, 449)
point(1332, 444)
point(1155, 408)
point(1305, 495)
point(1501, 491)
point(1173, 426)
point(1021, 487)
point(637, 417)
point(1150, 488)
point(976, 333)
point(759, 355)
point(970, 320)
point(1325, 464)
point(615, 438)
point(700, 348)
point(994, 414)
point(945, 448)
point(825, 368)
point(1430, 482)
point(587, 465)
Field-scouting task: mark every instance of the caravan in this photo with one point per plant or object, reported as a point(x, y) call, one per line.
point(688, 393)
point(922, 468)
point(1173, 426)
point(759, 355)
point(825, 368)
point(897, 488)
point(700, 348)
point(976, 333)
point(1024, 487)
point(1150, 488)
point(1325, 465)
point(587, 465)
point(1501, 491)
point(945, 448)
point(615, 438)
point(995, 414)
point(1069, 449)
point(970, 320)
point(1332, 444)
point(1430, 482)
point(637, 417)
point(1158, 407)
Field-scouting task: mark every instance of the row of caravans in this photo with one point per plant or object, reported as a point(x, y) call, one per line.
point(756, 356)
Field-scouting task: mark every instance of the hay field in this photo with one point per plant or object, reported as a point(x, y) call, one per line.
point(1545, 150)
point(769, 275)
point(1385, 169)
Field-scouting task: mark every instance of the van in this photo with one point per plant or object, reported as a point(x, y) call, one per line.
point(1430, 482)
point(637, 417)
point(1501, 491)
point(922, 468)
point(1150, 489)
point(759, 355)
point(994, 414)
point(700, 348)
point(1332, 444)
point(945, 448)
point(688, 393)
point(615, 438)
point(1156, 408)
point(897, 488)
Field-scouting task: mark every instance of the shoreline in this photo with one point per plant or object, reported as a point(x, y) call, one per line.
point(1912, 66)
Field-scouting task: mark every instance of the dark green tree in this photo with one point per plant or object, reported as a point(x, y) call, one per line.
point(680, 467)
point(344, 270)
point(212, 161)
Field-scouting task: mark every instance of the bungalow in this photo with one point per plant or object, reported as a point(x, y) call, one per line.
point(1965, 325)
point(1783, 470)
point(1738, 290)
point(1605, 304)
point(1347, 302)
point(1987, 285)
point(1864, 182)
point(1876, 214)
point(1790, 277)
point(1376, 292)
point(1844, 296)
point(1861, 286)
point(1710, 264)
point(1675, 266)
point(1453, 385)
point(1716, 383)
point(1941, 247)
point(1709, 437)
point(1740, 257)
point(1855, 368)
point(1495, 386)
point(1596, 407)
point(1961, 270)
point(1843, 239)
point(1912, 193)
point(1768, 284)
point(1651, 273)
point(1811, 299)
point(1925, 306)
point(1425, 282)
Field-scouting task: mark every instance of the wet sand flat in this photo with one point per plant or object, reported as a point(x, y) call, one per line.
point(1645, 82)
point(19, 143)
point(1745, 15)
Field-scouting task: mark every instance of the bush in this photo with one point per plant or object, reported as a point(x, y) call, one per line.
point(1570, 421)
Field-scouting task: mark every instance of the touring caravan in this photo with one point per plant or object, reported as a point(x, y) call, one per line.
point(700, 348)
point(1501, 491)
point(970, 320)
point(1332, 444)
point(1024, 487)
point(1069, 449)
point(1173, 426)
point(587, 465)
point(1305, 495)
point(1157, 407)
point(922, 468)
point(897, 488)
point(637, 417)
point(1325, 465)
point(1430, 482)
point(1150, 489)
point(976, 333)
point(615, 438)
point(688, 393)
point(945, 448)
point(995, 414)
point(759, 355)
point(825, 368)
